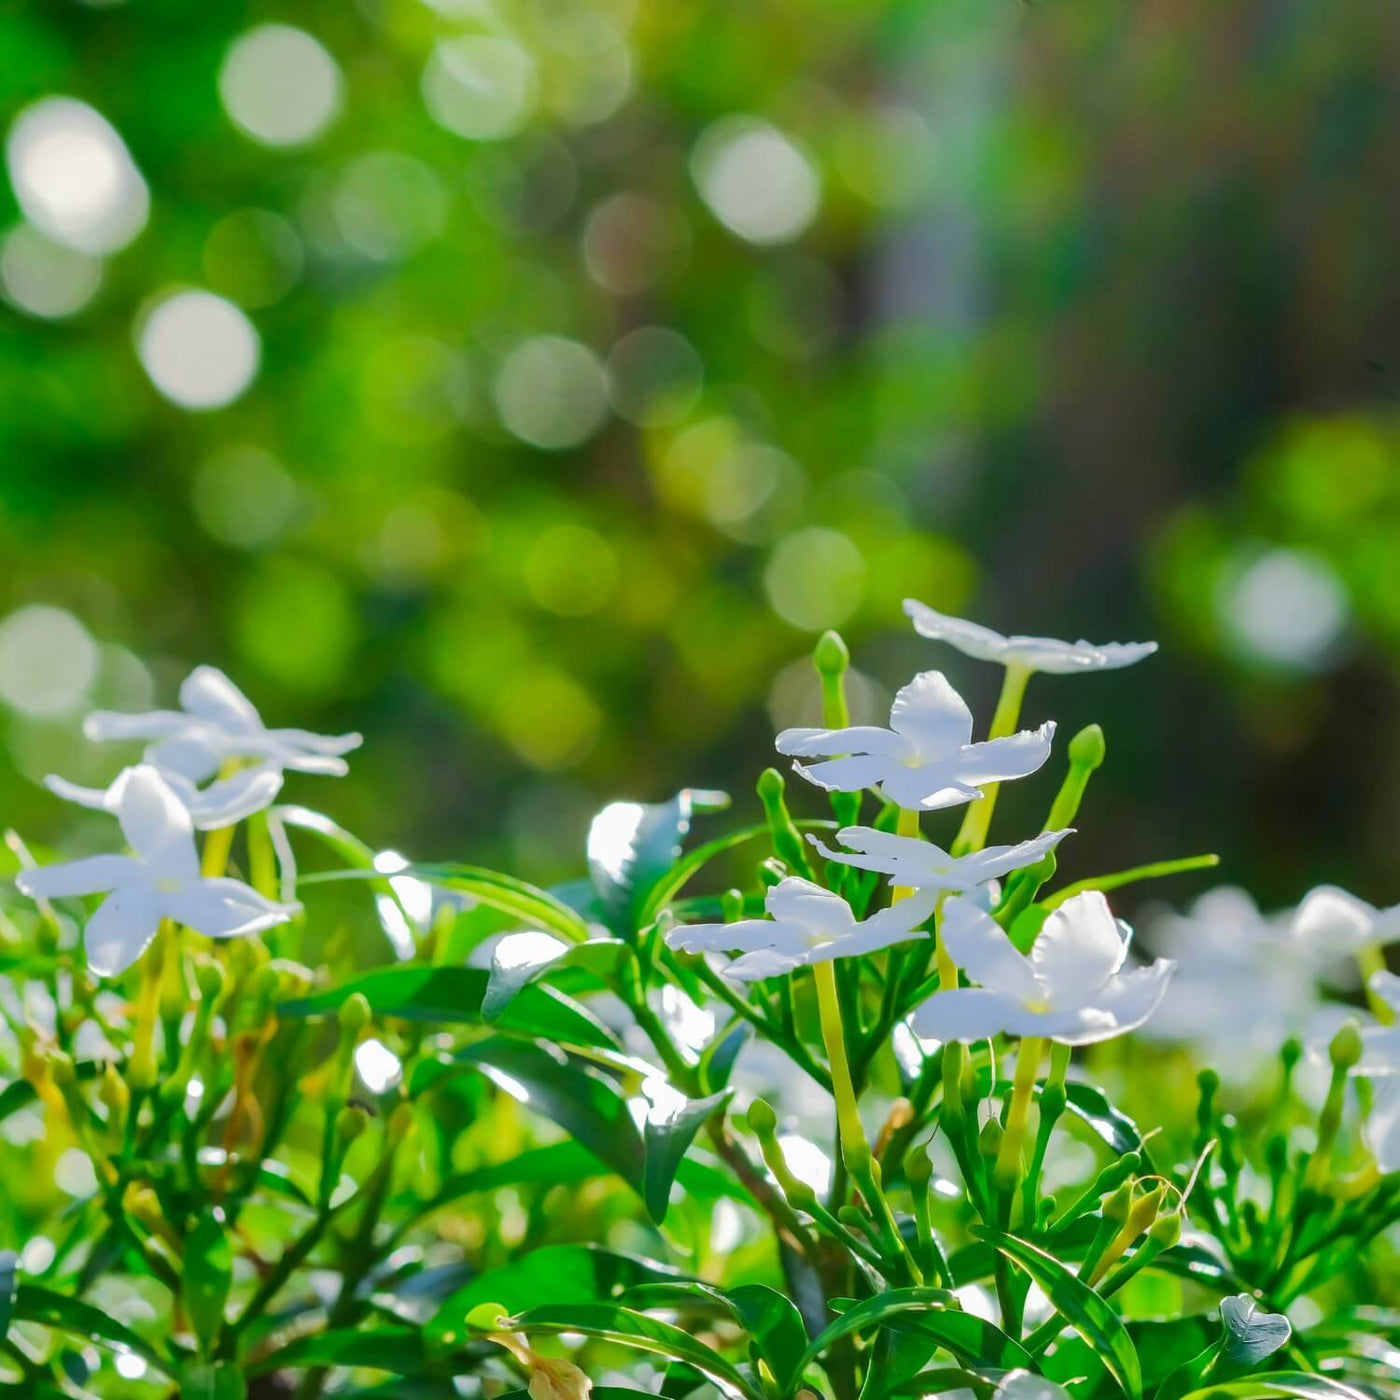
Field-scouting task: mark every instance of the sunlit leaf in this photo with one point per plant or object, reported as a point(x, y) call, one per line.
point(520, 959)
point(206, 1277)
point(670, 1129)
point(35, 1304)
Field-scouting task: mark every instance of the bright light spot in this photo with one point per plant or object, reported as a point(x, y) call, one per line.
point(755, 180)
point(976, 1301)
point(200, 351)
point(280, 85)
point(244, 497)
point(571, 570)
point(195, 1089)
point(654, 376)
point(37, 1255)
point(74, 178)
point(806, 1161)
point(1287, 607)
point(598, 80)
point(47, 661)
point(46, 278)
point(692, 1025)
point(815, 578)
point(129, 1366)
point(666, 1104)
point(415, 900)
point(529, 948)
point(480, 86)
point(726, 1227)
point(73, 1173)
point(377, 1065)
point(551, 392)
point(510, 1085)
point(388, 205)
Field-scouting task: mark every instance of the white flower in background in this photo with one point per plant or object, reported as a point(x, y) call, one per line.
point(1071, 987)
point(217, 723)
point(1380, 1056)
point(223, 802)
point(921, 865)
point(1032, 653)
point(1331, 922)
point(808, 925)
point(925, 759)
point(160, 880)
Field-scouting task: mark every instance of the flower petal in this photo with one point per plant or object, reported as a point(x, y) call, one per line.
point(746, 934)
point(121, 929)
point(1333, 921)
point(1000, 760)
point(223, 908)
point(230, 799)
point(1386, 985)
point(980, 643)
point(95, 798)
point(994, 861)
point(929, 789)
point(832, 743)
point(808, 906)
point(979, 945)
point(931, 715)
point(327, 744)
point(1383, 1127)
point(156, 824)
point(102, 725)
point(92, 875)
point(1121, 1006)
point(1056, 658)
point(844, 774)
point(1380, 1050)
point(209, 694)
point(1078, 949)
point(195, 754)
point(763, 962)
point(895, 924)
point(966, 1014)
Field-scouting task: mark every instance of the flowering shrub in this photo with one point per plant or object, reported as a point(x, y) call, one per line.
point(792, 1111)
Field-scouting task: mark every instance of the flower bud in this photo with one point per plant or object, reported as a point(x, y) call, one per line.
point(1119, 1203)
point(1345, 1049)
point(354, 1014)
point(731, 904)
point(852, 1219)
point(114, 1095)
point(763, 1122)
point(486, 1317)
point(1290, 1052)
point(1166, 1230)
point(989, 1139)
point(831, 656)
point(1052, 1102)
point(1087, 749)
point(350, 1122)
point(918, 1168)
point(211, 981)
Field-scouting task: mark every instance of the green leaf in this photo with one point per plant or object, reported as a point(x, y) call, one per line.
point(35, 1304)
point(666, 1139)
point(1154, 871)
point(1278, 1385)
point(207, 1278)
point(1251, 1334)
point(632, 845)
point(504, 892)
point(220, 1380)
point(556, 1163)
point(718, 1060)
point(933, 1313)
point(444, 995)
point(400, 1350)
point(515, 965)
point(581, 1101)
point(626, 1328)
point(1089, 1315)
point(9, 1281)
point(1092, 1105)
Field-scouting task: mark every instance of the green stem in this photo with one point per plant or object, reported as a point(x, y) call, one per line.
point(973, 834)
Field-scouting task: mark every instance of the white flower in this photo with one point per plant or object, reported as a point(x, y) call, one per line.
point(1332, 922)
point(223, 802)
point(921, 865)
point(161, 880)
point(1033, 653)
point(216, 723)
point(1380, 1045)
point(808, 925)
point(926, 758)
point(1071, 988)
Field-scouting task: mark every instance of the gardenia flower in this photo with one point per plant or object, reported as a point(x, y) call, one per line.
point(218, 723)
point(161, 880)
point(1332, 922)
point(223, 802)
point(1071, 988)
point(808, 925)
point(921, 865)
point(1032, 653)
point(926, 758)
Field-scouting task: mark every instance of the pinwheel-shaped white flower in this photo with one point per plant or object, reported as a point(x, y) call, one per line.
point(217, 722)
point(223, 802)
point(925, 759)
point(159, 880)
point(1332, 922)
point(1030, 653)
point(1071, 988)
point(921, 865)
point(808, 925)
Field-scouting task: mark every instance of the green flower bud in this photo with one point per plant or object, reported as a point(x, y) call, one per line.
point(1052, 1102)
point(1345, 1049)
point(350, 1122)
point(989, 1139)
point(354, 1014)
point(1118, 1204)
point(770, 786)
point(763, 1122)
point(852, 1219)
point(61, 1068)
point(918, 1169)
point(1087, 749)
point(1166, 1230)
point(831, 656)
point(210, 978)
point(487, 1317)
point(731, 904)
point(1290, 1052)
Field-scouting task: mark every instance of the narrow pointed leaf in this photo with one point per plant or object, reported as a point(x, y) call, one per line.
point(35, 1304)
point(667, 1138)
point(511, 972)
point(1154, 871)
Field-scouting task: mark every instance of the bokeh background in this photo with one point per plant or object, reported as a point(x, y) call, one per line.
point(527, 384)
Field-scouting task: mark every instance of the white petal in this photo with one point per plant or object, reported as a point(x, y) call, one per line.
point(844, 774)
point(195, 754)
point(119, 932)
point(896, 924)
point(223, 908)
point(1383, 1129)
point(156, 824)
point(1122, 1006)
point(931, 715)
point(1380, 1050)
point(966, 1014)
point(748, 934)
point(209, 694)
point(831, 743)
point(107, 724)
point(980, 643)
point(994, 861)
point(1064, 658)
point(95, 798)
point(930, 788)
point(1078, 949)
point(92, 875)
point(231, 799)
point(763, 962)
point(1386, 985)
point(979, 945)
point(1332, 921)
point(1000, 760)
point(327, 744)
point(800, 902)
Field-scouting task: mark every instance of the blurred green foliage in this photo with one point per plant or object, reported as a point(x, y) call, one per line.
point(566, 435)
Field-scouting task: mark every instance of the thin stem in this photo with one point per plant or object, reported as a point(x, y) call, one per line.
point(973, 834)
point(1370, 960)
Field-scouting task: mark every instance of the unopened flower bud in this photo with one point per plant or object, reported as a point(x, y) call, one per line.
point(1087, 749)
point(1345, 1049)
point(354, 1014)
point(211, 981)
point(831, 656)
point(918, 1168)
point(763, 1122)
point(350, 1122)
point(1290, 1052)
point(731, 905)
point(1166, 1230)
point(989, 1139)
point(1119, 1203)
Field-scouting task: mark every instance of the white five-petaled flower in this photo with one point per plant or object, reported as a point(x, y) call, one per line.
point(216, 723)
point(1033, 653)
point(160, 880)
point(808, 924)
point(223, 802)
point(1332, 922)
point(1380, 1056)
point(925, 759)
point(1071, 987)
point(921, 865)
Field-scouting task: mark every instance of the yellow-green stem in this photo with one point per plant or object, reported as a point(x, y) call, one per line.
point(142, 1071)
point(1371, 960)
point(1008, 1163)
point(972, 836)
point(908, 826)
point(854, 1147)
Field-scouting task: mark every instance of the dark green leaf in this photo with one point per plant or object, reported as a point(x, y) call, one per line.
point(515, 966)
point(206, 1278)
point(9, 1281)
point(72, 1315)
point(401, 1350)
point(1279, 1385)
point(527, 902)
point(1115, 1128)
point(415, 992)
point(212, 1381)
point(717, 1062)
point(1089, 1315)
point(666, 1140)
point(559, 1162)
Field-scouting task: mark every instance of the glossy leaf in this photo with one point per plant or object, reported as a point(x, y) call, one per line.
point(212, 1381)
point(447, 995)
point(513, 967)
point(1093, 1318)
point(1279, 1385)
point(669, 1131)
point(9, 1281)
point(1251, 1334)
point(206, 1278)
point(527, 902)
point(1092, 1105)
point(35, 1304)
point(400, 1350)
